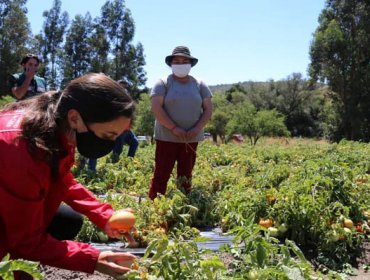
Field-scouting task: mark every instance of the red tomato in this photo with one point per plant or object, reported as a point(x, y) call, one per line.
point(359, 227)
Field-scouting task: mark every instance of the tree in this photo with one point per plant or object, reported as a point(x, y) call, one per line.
point(217, 125)
point(294, 101)
point(14, 38)
point(234, 88)
point(340, 56)
point(144, 124)
point(220, 117)
point(51, 41)
point(77, 50)
point(254, 124)
point(128, 60)
point(99, 49)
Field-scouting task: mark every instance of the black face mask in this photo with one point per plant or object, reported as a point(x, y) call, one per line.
point(91, 146)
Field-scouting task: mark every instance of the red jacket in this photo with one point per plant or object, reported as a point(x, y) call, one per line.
point(29, 199)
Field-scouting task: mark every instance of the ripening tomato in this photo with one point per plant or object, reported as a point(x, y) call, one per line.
point(366, 214)
point(347, 223)
point(122, 221)
point(266, 223)
point(270, 198)
point(135, 265)
point(160, 230)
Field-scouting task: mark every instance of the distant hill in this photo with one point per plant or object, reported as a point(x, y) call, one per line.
point(225, 87)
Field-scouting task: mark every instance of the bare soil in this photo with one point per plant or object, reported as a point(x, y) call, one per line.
point(52, 273)
point(362, 260)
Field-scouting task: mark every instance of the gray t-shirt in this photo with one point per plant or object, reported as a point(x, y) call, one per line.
point(183, 104)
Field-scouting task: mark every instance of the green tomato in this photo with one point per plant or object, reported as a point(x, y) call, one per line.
point(253, 275)
point(334, 236)
point(102, 236)
point(347, 230)
point(283, 228)
point(273, 231)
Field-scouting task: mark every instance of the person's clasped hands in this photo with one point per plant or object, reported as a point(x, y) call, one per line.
point(185, 135)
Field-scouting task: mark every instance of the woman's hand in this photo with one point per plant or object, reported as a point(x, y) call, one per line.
point(114, 264)
point(130, 240)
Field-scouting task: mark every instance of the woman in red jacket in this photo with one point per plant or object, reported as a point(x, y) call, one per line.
point(38, 137)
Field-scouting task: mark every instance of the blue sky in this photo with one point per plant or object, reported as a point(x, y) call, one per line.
point(234, 40)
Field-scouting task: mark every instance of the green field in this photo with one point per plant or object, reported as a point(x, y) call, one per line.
point(278, 198)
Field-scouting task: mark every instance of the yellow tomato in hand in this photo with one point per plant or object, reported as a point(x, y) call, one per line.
point(123, 221)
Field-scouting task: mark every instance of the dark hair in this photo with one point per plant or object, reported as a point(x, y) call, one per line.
point(96, 97)
point(28, 56)
point(125, 85)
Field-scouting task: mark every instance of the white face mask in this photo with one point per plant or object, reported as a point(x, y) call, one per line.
point(181, 70)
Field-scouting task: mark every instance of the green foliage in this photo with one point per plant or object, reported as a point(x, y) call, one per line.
point(179, 260)
point(305, 109)
point(7, 267)
point(99, 49)
point(14, 30)
point(103, 44)
point(265, 257)
point(306, 188)
point(77, 49)
point(5, 100)
point(217, 125)
point(340, 56)
point(144, 123)
point(128, 60)
point(51, 40)
point(255, 124)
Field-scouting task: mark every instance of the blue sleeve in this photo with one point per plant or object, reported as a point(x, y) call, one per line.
point(131, 140)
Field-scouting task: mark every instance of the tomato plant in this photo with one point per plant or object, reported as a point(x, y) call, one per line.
point(311, 192)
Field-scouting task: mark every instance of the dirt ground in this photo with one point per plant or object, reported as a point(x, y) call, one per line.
point(364, 259)
point(51, 273)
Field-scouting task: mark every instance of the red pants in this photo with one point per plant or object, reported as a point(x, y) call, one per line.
point(166, 154)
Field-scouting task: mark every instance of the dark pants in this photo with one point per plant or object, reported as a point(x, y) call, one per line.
point(65, 225)
point(91, 163)
point(166, 155)
point(127, 138)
